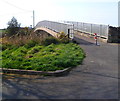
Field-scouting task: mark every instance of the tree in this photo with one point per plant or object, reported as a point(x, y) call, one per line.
point(13, 27)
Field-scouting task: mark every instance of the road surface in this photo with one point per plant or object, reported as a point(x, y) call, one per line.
point(96, 78)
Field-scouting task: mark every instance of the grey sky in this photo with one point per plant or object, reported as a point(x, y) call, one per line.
point(92, 11)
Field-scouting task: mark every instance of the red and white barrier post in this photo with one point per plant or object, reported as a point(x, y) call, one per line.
point(95, 37)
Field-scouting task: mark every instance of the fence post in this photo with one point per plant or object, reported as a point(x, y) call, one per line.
point(73, 30)
point(100, 32)
point(77, 26)
point(107, 32)
point(91, 28)
point(68, 33)
point(83, 26)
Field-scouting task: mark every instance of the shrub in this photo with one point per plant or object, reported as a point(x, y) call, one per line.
point(24, 31)
point(63, 38)
point(31, 43)
point(5, 46)
point(8, 46)
point(50, 40)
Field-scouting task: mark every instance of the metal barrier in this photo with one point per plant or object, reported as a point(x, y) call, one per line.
point(67, 28)
point(101, 30)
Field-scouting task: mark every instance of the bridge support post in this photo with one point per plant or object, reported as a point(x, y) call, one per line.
point(68, 33)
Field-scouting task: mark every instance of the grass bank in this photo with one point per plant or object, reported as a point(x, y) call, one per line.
point(40, 57)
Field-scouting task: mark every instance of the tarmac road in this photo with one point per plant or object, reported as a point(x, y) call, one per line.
point(96, 78)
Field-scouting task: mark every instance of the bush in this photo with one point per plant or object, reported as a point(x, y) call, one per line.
point(35, 49)
point(31, 43)
point(8, 46)
point(50, 40)
point(5, 46)
point(63, 38)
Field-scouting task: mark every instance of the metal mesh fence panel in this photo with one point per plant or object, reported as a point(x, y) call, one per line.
point(101, 30)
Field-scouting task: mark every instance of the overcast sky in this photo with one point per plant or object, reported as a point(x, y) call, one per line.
point(91, 11)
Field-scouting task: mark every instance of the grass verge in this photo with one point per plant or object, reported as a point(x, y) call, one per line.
point(40, 57)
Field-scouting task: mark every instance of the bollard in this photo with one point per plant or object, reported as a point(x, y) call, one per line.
point(95, 37)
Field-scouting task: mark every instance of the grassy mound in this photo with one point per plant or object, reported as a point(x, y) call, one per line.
point(40, 57)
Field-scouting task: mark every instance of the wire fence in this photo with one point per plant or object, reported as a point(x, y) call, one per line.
point(101, 30)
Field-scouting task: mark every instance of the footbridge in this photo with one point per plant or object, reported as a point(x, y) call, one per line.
point(70, 28)
point(55, 28)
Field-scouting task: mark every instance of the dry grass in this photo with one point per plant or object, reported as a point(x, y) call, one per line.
point(39, 37)
point(23, 39)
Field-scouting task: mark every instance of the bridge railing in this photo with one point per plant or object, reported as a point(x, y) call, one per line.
point(101, 30)
point(70, 26)
point(56, 26)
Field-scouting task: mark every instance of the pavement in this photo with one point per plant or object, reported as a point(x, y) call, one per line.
point(96, 78)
